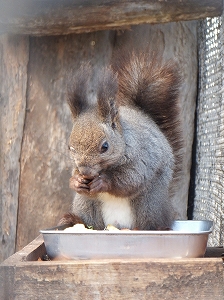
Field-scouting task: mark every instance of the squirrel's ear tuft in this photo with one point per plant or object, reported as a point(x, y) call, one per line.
point(106, 96)
point(77, 90)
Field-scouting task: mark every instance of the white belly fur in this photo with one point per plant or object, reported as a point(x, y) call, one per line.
point(116, 211)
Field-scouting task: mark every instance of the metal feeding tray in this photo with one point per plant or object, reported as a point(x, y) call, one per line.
point(185, 239)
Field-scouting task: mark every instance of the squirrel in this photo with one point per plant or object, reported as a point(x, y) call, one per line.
point(126, 144)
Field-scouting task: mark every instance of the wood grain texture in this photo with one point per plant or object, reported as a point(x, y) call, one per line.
point(14, 53)
point(53, 17)
point(110, 278)
point(45, 164)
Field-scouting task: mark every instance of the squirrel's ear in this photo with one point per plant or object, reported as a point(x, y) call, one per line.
point(107, 91)
point(77, 91)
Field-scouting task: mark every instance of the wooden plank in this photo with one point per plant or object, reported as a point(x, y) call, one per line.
point(53, 17)
point(14, 53)
point(31, 252)
point(158, 279)
point(110, 278)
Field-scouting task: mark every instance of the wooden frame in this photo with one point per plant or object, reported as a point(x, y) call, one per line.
point(22, 276)
point(54, 17)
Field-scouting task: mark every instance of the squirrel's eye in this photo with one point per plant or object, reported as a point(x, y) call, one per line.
point(104, 147)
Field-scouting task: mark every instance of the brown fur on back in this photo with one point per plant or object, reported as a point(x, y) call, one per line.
point(153, 86)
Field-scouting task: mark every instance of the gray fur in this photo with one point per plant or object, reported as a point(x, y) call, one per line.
point(125, 151)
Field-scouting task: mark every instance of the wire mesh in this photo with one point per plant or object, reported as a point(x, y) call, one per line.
point(209, 192)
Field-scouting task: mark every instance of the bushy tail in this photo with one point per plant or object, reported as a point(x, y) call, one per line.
point(153, 86)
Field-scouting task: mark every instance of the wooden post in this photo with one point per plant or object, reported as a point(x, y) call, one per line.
point(14, 53)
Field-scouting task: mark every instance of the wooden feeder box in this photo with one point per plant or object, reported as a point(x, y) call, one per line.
point(24, 275)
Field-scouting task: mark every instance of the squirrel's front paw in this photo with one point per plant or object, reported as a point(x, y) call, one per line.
point(99, 184)
point(79, 184)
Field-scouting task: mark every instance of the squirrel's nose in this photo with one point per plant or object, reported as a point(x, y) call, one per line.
point(87, 172)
